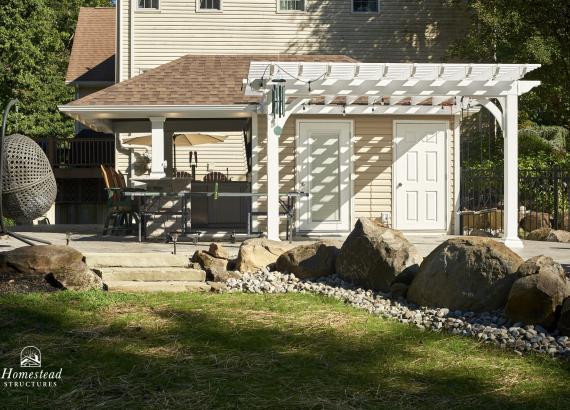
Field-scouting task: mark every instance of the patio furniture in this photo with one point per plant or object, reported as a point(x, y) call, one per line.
point(287, 201)
point(120, 209)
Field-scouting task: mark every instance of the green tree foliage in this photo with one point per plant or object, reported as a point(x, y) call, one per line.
point(524, 31)
point(35, 40)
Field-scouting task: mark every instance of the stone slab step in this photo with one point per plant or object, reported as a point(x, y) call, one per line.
point(152, 274)
point(162, 286)
point(136, 260)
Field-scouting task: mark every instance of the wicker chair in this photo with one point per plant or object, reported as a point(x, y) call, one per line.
point(120, 210)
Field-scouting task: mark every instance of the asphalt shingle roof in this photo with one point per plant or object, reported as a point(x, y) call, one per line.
point(93, 52)
point(192, 80)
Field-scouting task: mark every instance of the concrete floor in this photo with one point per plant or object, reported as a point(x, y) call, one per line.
point(87, 241)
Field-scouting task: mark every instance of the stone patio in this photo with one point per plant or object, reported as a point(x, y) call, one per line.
point(86, 240)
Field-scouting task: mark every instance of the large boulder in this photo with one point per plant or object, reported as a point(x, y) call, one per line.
point(373, 256)
point(540, 234)
point(468, 273)
point(537, 294)
point(534, 220)
point(564, 320)
point(558, 236)
point(42, 259)
point(258, 253)
point(310, 261)
point(61, 266)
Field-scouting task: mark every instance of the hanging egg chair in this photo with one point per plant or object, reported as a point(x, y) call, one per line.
point(28, 183)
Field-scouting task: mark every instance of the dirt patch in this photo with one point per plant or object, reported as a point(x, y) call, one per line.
point(18, 283)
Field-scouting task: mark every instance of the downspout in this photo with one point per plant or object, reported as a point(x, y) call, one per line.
point(131, 38)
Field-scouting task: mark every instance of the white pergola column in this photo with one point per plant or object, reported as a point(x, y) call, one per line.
point(157, 149)
point(272, 178)
point(511, 170)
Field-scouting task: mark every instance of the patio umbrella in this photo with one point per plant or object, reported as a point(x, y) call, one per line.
point(183, 139)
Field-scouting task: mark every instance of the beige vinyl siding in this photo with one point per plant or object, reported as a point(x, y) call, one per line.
point(371, 162)
point(229, 154)
point(401, 31)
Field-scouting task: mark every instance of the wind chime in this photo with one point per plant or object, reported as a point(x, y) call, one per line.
point(278, 98)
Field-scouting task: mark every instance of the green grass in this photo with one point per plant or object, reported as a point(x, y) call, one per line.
point(193, 351)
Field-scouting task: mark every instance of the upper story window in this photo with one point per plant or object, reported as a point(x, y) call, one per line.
point(148, 4)
point(215, 5)
point(291, 5)
point(365, 6)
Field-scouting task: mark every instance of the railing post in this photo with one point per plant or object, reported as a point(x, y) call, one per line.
point(556, 199)
point(51, 144)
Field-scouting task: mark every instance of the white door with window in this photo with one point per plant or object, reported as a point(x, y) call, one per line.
point(420, 175)
point(323, 166)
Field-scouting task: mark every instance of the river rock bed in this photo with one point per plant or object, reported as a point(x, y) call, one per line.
point(489, 327)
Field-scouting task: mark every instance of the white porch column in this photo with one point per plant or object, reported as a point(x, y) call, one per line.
point(272, 177)
point(157, 150)
point(511, 180)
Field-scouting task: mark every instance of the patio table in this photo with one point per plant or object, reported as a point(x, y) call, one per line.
point(287, 201)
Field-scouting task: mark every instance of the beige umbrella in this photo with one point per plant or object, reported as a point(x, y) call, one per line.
point(184, 139)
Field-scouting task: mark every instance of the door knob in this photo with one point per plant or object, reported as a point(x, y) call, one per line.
point(399, 185)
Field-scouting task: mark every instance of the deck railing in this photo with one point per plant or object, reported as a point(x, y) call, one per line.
point(79, 152)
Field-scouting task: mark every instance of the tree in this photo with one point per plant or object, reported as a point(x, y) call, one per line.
point(34, 50)
point(525, 31)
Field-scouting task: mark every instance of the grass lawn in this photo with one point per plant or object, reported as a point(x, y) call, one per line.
point(197, 351)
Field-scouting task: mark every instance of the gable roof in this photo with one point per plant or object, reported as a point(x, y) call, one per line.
point(93, 52)
point(192, 80)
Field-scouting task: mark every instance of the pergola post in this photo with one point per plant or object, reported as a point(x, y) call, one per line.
point(272, 178)
point(511, 171)
point(157, 159)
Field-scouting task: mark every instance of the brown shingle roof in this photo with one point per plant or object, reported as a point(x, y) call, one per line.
point(93, 53)
point(193, 80)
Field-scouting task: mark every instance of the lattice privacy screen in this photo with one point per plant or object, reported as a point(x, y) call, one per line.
point(28, 183)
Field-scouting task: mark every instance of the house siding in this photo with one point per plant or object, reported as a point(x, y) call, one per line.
point(402, 31)
point(371, 163)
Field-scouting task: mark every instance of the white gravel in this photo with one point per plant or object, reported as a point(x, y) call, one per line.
point(489, 327)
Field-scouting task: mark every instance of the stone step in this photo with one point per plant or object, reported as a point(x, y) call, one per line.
point(161, 286)
point(136, 260)
point(152, 274)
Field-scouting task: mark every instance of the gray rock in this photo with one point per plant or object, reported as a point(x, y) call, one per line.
point(470, 274)
point(373, 256)
point(75, 280)
point(541, 288)
point(310, 261)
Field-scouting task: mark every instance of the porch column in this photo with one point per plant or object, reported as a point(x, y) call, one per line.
point(157, 149)
point(272, 177)
point(511, 171)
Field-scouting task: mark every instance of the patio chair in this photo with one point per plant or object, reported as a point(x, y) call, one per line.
point(120, 210)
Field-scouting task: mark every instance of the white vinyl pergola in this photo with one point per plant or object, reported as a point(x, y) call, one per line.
point(392, 89)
